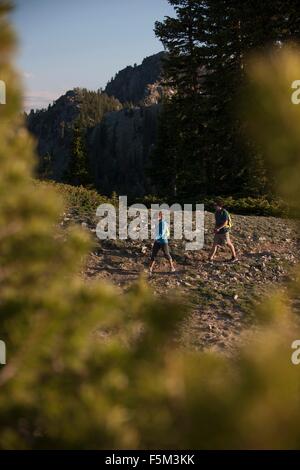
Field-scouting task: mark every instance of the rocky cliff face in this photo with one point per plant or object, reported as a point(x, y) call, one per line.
point(120, 143)
point(54, 127)
point(120, 150)
point(131, 84)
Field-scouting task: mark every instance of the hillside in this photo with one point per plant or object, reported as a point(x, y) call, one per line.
point(120, 149)
point(220, 295)
point(118, 141)
point(54, 127)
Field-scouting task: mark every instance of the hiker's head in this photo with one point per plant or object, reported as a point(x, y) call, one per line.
point(160, 215)
point(219, 204)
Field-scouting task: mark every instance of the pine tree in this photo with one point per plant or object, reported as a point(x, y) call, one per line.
point(208, 43)
point(236, 165)
point(180, 151)
point(44, 169)
point(78, 172)
point(93, 105)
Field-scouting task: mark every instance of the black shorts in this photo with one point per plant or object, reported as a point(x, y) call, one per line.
point(160, 246)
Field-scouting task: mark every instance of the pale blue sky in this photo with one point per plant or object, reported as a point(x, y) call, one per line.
point(69, 43)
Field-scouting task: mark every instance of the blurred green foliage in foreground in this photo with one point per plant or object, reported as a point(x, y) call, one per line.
point(91, 369)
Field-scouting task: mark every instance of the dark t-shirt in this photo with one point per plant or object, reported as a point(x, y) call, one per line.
point(221, 217)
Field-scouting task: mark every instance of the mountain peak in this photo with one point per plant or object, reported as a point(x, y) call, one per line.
point(130, 84)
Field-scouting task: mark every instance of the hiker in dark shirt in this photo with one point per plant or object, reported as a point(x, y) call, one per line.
point(161, 243)
point(222, 230)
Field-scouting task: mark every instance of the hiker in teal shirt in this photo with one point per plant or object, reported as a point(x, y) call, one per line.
point(161, 243)
point(222, 229)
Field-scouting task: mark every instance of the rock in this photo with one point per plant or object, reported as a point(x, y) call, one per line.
point(131, 83)
point(187, 284)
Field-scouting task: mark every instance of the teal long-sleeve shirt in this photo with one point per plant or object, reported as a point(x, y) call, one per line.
point(162, 232)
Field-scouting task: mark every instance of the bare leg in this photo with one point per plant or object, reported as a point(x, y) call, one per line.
point(151, 266)
point(232, 249)
point(172, 265)
point(213, 252)
point(168, 257)
point(155, 250)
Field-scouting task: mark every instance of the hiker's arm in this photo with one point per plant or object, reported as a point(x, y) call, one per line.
point(165, 230)
point(226, 221)
point(221, 226)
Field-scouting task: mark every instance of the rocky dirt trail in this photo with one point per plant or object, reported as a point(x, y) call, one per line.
point(220, 294)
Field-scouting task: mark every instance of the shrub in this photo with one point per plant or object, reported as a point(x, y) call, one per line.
point(82, 202)
point(253, 206)
point(265, 206)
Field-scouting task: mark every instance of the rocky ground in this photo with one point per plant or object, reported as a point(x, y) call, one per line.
point(220, 294)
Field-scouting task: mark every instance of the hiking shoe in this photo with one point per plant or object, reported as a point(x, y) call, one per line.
point(233, 260)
